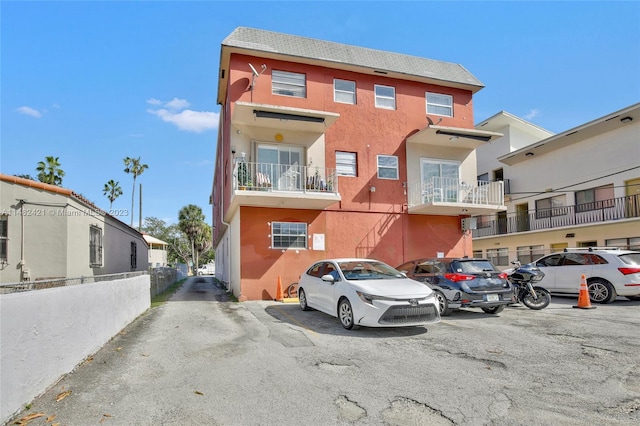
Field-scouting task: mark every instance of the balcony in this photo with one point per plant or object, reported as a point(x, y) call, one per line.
point(452, 197)
point(559, 217)
point(283, 186)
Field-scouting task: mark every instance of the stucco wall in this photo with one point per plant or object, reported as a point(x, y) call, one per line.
point(393, 237)
point(47, 333)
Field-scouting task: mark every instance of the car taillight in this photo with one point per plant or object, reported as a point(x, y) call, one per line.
point(459, 277)
point(503, 275)
point(627, 271)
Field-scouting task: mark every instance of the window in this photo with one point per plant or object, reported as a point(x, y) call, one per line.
point(499, 256)
point(484, 177)
point(528, 254)
point(344, 91)
point(477, 254)
point(288, 84)
point(387, 167)
point(594, 198)
point(134, 255)
point(346, 164)
point(438, 104)
point(285, 235)
point(632, 243)
point(385, 97)
point(95, 246)
point(4, 238)
point(553, 206)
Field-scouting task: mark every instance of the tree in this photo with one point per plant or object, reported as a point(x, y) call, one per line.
point(112, 190)
point(49, 171)
point(25, 176)
point(190, 221)
point(133, 166)
point(178, 250)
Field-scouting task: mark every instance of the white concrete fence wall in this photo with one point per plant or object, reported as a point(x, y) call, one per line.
point(45, 334)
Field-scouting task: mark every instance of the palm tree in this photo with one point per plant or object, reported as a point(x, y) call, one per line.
point(133, 166)
point(112, 190)
point(49, 171)
point(190, 221)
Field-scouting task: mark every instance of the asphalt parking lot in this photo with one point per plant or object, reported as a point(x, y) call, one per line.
point(200, 359)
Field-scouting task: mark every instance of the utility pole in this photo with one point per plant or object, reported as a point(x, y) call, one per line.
point(140, 213)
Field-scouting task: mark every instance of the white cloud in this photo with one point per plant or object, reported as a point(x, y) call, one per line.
point(177, 104)
point(154, 101)
point(188, 120)
point(532, 114)
point(29, 111)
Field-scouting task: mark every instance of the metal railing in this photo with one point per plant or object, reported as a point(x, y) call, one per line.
point(558, 217)
point(62, 282)
point(450, 190)
point(248, 176)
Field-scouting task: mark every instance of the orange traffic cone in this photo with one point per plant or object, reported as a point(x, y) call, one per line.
point(279, 296)
point(583, 297)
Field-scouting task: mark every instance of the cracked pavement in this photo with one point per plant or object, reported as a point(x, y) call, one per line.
point(200, 359)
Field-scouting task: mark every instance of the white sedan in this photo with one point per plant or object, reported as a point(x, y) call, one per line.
point(366, 292)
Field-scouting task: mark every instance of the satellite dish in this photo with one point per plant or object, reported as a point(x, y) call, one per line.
point(254, 70)
point(428, 119)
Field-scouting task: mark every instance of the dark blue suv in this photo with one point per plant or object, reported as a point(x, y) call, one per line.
point(462, 283)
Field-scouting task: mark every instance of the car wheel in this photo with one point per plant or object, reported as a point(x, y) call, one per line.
point(345, 313)
point(634, 298)
point(601, 291)
point(443, 303)
point(494, 309)
point(302, 297)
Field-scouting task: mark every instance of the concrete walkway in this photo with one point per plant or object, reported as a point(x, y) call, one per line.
point(153, 373)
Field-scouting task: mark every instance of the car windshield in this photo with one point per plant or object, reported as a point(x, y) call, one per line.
point(368, 270)
point(631, 258)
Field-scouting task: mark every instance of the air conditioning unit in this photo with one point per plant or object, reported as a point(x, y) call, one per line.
point(468, 223)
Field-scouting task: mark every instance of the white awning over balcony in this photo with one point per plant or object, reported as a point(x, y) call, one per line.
point(453, 137)
point(282, 118)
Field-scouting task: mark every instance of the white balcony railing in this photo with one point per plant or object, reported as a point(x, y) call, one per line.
point(249, 176)
point(438, 190)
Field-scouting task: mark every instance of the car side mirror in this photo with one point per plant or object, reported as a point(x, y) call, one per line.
point(328, 278)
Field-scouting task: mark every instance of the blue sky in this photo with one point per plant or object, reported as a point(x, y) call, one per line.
point(95, 82)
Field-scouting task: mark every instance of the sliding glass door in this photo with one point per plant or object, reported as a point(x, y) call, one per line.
point(282, 164)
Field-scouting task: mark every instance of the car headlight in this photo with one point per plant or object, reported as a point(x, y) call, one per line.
point(369, 298)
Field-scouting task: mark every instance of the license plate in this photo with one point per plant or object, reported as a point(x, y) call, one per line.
point(492, 298)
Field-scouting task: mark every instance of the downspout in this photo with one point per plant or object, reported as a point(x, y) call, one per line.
point(228, 225)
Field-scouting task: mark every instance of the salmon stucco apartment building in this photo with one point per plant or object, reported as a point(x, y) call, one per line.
point(330, 150)
point(578, 188)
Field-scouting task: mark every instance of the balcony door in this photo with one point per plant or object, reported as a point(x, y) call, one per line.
point(283, 165)
point(440, 179)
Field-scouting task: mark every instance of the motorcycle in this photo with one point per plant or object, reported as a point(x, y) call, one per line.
point(522, 278)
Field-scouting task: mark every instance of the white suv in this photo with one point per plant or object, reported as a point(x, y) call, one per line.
point(610, 272)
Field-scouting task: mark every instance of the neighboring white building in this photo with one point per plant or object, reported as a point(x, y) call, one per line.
point(49, 232)
point(157, 251)
point(578, 188)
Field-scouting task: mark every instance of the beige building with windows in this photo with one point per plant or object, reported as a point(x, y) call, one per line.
point(50, 232)
point(578, 188)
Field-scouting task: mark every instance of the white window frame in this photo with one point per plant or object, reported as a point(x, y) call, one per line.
point(439, 104)
point(382, 100)
point(498, 256)
point(346, 163)
point(286, 83)
point(295, 232)
point(344, 95)
point(95, 246)
point(385, 166)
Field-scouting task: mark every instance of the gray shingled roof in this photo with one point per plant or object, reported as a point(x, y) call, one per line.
point(289, 45)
